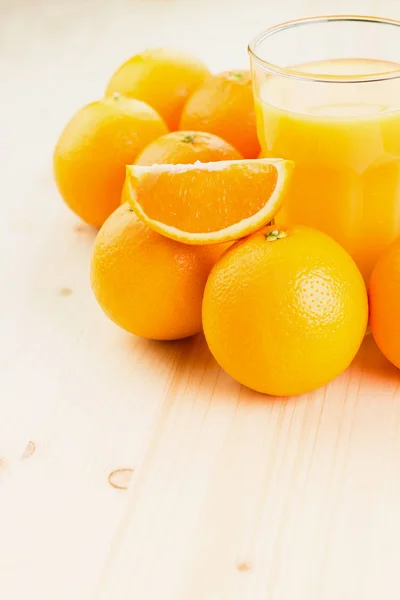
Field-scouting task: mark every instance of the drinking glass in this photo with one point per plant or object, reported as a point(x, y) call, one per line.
point(327, 94)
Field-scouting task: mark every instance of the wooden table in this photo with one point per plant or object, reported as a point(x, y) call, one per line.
point(234, 496)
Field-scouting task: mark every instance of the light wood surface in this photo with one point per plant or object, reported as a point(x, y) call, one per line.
point(234, 496)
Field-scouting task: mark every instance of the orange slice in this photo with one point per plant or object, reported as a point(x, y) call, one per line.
point(205, 203)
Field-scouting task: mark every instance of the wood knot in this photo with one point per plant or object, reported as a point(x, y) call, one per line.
point(30, 449)
point(65, 291)
point(120, 479)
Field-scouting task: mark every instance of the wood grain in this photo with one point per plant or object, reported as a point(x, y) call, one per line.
point(245, 497)
point(233, 495)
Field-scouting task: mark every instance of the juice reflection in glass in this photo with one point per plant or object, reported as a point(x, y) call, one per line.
point(336, 113)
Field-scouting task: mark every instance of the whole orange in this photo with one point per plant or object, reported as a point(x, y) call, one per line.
point(147, 284)
point(285, 311)
point(384, 303)
point(224, 105)
point(186, 147)
point(93, 150)
point(162, 78)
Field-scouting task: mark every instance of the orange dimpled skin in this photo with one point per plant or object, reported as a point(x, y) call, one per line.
point(187, 147)
point(285, 311)
point(224, 106)
point(147, 284)
point(93, 150)
point(162, 78)
point(384, 303)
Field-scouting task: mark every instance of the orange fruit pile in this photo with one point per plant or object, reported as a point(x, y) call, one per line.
point(153, 93)
point(150, 283)
point(168, 165)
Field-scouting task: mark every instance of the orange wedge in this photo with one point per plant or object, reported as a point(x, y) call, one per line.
point(206, 203)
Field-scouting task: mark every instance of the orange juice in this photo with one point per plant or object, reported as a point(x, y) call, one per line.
point(345, 141)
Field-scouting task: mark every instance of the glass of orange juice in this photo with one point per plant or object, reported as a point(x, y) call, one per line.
point(327, 93)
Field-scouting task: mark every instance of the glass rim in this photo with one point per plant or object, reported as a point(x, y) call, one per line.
point(292, 73)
